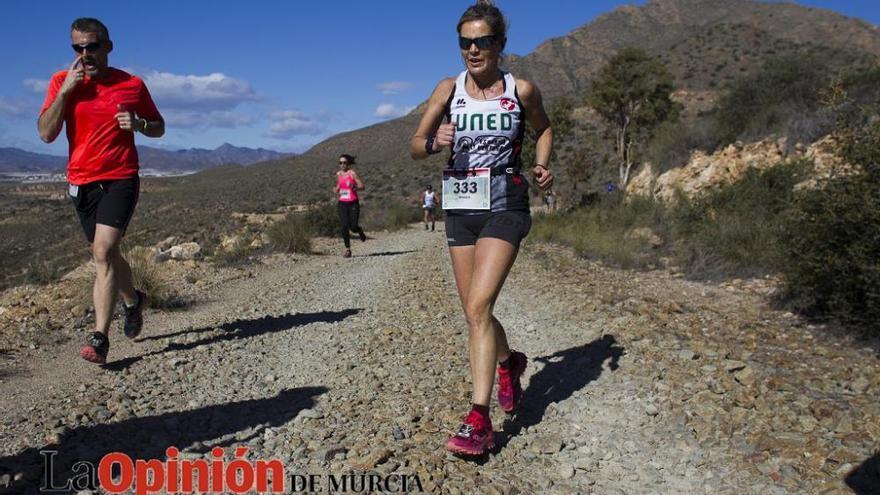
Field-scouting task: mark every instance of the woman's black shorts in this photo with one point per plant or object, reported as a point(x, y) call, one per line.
point(510, 226)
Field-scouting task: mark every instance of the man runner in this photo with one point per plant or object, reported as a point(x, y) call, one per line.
point(428, 204)
point(102, 108)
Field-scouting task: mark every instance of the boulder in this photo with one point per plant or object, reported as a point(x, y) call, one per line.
point(185, 251)
point(707, 172)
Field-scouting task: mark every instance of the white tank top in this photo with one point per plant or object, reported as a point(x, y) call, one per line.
point(489, 134)
point(429, 199)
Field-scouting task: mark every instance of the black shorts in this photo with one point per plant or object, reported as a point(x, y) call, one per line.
point(510, 226)
point(108, 202)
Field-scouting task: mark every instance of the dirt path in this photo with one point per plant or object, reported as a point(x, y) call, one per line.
point(638, 383)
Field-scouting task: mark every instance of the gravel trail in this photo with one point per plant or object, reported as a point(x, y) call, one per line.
point(359, 366)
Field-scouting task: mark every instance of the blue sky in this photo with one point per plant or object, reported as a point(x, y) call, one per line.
point(277, 74)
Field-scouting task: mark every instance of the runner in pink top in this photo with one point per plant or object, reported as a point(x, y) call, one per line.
point(347, 185)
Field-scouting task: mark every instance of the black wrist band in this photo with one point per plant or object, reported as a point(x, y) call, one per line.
point(429, 146)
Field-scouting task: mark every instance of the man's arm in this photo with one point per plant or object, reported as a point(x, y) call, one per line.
point(149, 121)
point(153, 128)
point(129, 122)
point(52, 118)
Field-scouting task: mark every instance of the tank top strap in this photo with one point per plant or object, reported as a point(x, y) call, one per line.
point(459, 84)
point(510, 86)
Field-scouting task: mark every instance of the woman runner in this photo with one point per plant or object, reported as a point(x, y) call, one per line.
point(347, 185)
point(487, 201)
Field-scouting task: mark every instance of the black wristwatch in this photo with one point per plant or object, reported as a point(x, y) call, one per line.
point(429, 146)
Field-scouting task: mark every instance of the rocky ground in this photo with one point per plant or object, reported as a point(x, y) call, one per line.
point(637, 382)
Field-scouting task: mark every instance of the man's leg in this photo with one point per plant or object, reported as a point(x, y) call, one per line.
point(113, 276)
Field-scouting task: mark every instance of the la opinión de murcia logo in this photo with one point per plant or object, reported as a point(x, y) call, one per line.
point(118, 473)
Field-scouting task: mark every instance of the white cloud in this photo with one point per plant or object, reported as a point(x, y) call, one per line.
point(16, 108)
point(394, 87)
point(199, 101)
point(390, 111)
point(289, 123)
point(214, 91)
point(38, 86)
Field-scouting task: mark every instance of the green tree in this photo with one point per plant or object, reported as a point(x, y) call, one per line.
point(632, 95)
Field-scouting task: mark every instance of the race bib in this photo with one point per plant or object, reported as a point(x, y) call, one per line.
point(345, 194)
point(72, 190)
point(466, 189)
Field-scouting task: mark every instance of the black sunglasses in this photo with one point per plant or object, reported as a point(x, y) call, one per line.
point(93, 46)
point(483, 42)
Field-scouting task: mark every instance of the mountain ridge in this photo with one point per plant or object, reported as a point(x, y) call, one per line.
point(15, 160)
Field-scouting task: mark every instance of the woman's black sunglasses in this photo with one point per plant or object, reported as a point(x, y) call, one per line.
point(483, 42)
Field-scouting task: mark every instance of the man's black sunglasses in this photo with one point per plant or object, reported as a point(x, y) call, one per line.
point(93, 46)
point(483, 42)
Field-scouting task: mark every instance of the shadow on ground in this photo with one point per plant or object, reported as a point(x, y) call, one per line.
point(149, 437)
point(239, 329)
point(563, 374)
point(9, 368)
point(385, 253)
point(865, 479)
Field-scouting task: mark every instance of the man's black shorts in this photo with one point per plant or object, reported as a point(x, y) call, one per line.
point(510, 226)
point(109, 202)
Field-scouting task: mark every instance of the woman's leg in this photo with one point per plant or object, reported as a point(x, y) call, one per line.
point(344, 222)
point(355, 217)
point(480, 272)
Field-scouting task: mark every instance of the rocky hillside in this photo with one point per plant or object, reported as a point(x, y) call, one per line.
point(704, 42)
point(707, 172)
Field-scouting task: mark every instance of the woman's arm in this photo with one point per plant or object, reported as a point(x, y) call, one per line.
point(357, 181)
point(430, 123)
point(533, 106)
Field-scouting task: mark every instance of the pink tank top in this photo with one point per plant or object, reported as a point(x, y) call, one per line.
point(347, 188)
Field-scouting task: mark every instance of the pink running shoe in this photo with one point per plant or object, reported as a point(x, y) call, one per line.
point(96, 348)
point(509, 388)
point(475, 437)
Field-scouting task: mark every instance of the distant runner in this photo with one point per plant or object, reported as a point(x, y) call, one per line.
point(102, 108)
point(550, 200)
point(428, 204)
point(486, 200)
point(347, 185)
